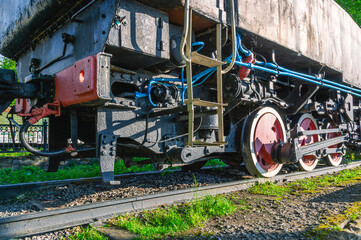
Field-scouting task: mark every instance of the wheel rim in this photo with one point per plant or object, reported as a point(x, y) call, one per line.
point(307, 122)
point(334, 157)
point(267, 133)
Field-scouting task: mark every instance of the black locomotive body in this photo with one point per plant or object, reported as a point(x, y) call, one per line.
point(177, 83)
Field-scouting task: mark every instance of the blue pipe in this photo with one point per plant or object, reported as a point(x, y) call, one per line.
point(158, 81)
point(182, 77)
point(318, 82)
point(200, 44)
point(240, 47)
point(271, 65)
point(324, 82)
point(208, 72)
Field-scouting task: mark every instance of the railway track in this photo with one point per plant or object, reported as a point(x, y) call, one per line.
point(11, 190)
point(47, 221)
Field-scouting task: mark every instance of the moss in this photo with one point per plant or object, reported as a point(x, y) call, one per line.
point(333, 223)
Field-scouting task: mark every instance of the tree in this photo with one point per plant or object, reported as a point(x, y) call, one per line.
point(7, 63)
point(353, 7)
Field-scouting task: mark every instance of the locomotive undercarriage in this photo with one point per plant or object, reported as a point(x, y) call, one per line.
point(128, 127)
point(146, 101)
point(309, 124)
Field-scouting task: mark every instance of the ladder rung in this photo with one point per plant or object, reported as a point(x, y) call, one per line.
point(201, 143)
point(203, 103)
point(204, 60)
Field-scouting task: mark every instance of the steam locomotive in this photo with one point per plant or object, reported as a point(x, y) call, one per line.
point(261, 83)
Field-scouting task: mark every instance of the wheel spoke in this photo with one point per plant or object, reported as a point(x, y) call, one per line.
point(264, 154)
point(307, 122)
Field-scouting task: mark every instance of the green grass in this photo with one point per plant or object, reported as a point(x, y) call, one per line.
point(215, 163)
point(87, 233)
point(15, 154)
point(308, 185)
point(171, 221)
point(270, 189)
point(36, 174)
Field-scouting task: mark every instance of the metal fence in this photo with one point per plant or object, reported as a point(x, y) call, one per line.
point(37, 136)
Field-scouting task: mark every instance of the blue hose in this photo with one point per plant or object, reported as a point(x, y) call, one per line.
point(286, 72)
point(247, 53)
point(206, 73)
point(200, 44)
point(159, 81)
point(271, 65)
point(318, 82)
point(182, 77)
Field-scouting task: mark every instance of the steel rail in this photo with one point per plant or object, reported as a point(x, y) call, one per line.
point(11, 190)
point(47, 221)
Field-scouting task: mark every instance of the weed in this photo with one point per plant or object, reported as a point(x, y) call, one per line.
point(176, 218)
point(242, 204)
point(310, 185)
point(215, 163)
point(87, 233)
point(36, 174)
point(332, 223)
point(270, 189)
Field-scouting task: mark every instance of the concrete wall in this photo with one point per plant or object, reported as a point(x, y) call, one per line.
point(317, 29)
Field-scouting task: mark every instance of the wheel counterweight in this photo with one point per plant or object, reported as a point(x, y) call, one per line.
point(261, 131)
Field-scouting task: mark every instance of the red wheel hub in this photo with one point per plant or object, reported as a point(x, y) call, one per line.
point(308, 124)
point(268, 132)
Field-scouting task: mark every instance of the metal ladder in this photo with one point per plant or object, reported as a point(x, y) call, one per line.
point(194, 57)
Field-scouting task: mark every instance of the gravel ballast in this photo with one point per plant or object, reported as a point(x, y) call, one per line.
point(266, 217)
point(80, 194)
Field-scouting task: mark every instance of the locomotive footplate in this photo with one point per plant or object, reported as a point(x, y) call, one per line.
point(293, 151)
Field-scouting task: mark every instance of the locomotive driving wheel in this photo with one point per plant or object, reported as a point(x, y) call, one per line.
point(333, 159)
point(307, 122)
point(261, 131)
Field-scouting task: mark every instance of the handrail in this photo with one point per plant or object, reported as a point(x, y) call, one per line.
point(234, 45)
point(185, 31)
